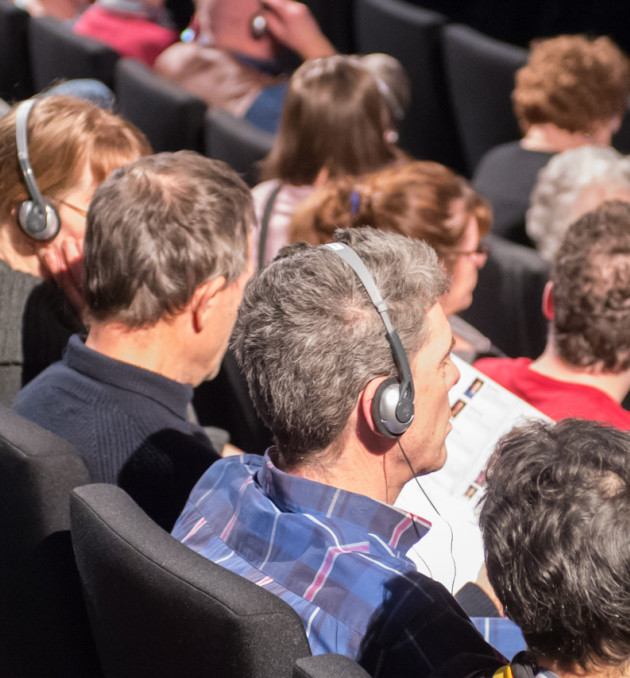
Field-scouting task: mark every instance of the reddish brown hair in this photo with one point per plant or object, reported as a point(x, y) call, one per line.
point(573, 82)
point(414, 199)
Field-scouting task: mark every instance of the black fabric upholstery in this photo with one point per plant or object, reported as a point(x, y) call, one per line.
point(158, 608)
point(15, 74)
point(237, 142)
point(43, 624)
point(507, 301)
point(621, 140)
point(336, 21)
point(413, 36)
point(480, 73)
point(328, 666)
point(57, 53)
point(475, 601)
point(171, 118)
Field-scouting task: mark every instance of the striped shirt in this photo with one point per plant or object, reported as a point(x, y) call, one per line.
point(338, 559)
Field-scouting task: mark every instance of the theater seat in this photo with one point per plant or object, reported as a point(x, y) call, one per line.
point(237, 142)
point(328, 666)
point(480, 74)
point(15, 74)
point(507, 303)
point(413, 35)
point(171, 118)
point(57, 53)
point(158, 609)
point(44, 629)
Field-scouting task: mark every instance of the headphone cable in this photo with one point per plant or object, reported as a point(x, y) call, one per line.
point(433, 506)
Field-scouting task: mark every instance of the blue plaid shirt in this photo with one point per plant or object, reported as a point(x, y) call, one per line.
point(338, 559)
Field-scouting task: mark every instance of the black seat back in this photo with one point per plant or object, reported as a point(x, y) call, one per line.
point(171, 118)
point(480, 73)
point(56, 53)
point(237, 142)
point(157, 608)
point(413, 35)
point(44, 629)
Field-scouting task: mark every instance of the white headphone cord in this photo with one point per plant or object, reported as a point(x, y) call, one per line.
point(415, 477)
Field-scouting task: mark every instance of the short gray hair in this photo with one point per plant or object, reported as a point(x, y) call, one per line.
point(562, 183)
point(158, 228)
point(309, 339)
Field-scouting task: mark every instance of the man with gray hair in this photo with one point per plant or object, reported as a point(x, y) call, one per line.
point(166, 260)
point(339, 345)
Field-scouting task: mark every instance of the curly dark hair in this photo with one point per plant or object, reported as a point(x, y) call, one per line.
point(591, 292)
point(556, 528)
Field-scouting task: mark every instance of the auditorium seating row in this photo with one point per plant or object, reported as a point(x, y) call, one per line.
point(91, 587)
point(461, 84)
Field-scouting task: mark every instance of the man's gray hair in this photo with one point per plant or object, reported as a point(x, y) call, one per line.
point(158, 228)
point(309, 339)
point(571, 184)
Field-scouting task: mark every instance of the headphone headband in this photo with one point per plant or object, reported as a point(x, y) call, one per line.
point(393, 412)
point(37, 217)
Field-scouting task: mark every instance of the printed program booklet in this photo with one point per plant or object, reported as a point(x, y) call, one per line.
point(482, 411)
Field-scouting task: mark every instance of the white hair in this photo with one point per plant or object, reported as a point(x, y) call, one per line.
point(571, 184)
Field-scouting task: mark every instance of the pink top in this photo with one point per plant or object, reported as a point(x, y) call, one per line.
point(285, 203)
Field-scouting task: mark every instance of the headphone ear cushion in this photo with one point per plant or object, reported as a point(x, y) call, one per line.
point(38, 224)
point(384, 406)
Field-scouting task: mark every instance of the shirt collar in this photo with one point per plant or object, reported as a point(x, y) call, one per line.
point(398, 528)
point(169, 393)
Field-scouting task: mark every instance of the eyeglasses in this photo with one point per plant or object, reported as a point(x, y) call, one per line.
point(78, 210)
point(482, 250)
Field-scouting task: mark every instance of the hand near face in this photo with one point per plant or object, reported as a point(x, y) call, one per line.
point(63, 263)
point(292, 24)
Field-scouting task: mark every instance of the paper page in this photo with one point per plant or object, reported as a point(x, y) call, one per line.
point(482, 412)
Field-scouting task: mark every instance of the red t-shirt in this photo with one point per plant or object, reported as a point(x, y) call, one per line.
point(131, 36)
point(557, 399)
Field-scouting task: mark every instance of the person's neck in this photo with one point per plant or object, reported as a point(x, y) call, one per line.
point(550, 364)
point(349, 465)
point(156, 348)
point(18, 251)
point(548, 138)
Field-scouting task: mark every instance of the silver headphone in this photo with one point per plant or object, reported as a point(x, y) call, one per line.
point(392, 407)
point(37, 217)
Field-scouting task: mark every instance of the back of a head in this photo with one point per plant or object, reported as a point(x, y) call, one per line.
point(417, 199)
point(157, 229)
point(309, 339)
point(572, 82)
point(571, 184)
point(393, 83)
point(556, 528)
point(63, 134)
point(591, 291)
point(334, 117)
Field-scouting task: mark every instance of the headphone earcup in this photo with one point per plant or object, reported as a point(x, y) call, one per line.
point(384, 405)
point(38, 224)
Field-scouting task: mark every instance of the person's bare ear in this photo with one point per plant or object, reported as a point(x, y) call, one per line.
point(547, 301)
point(202, 301)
